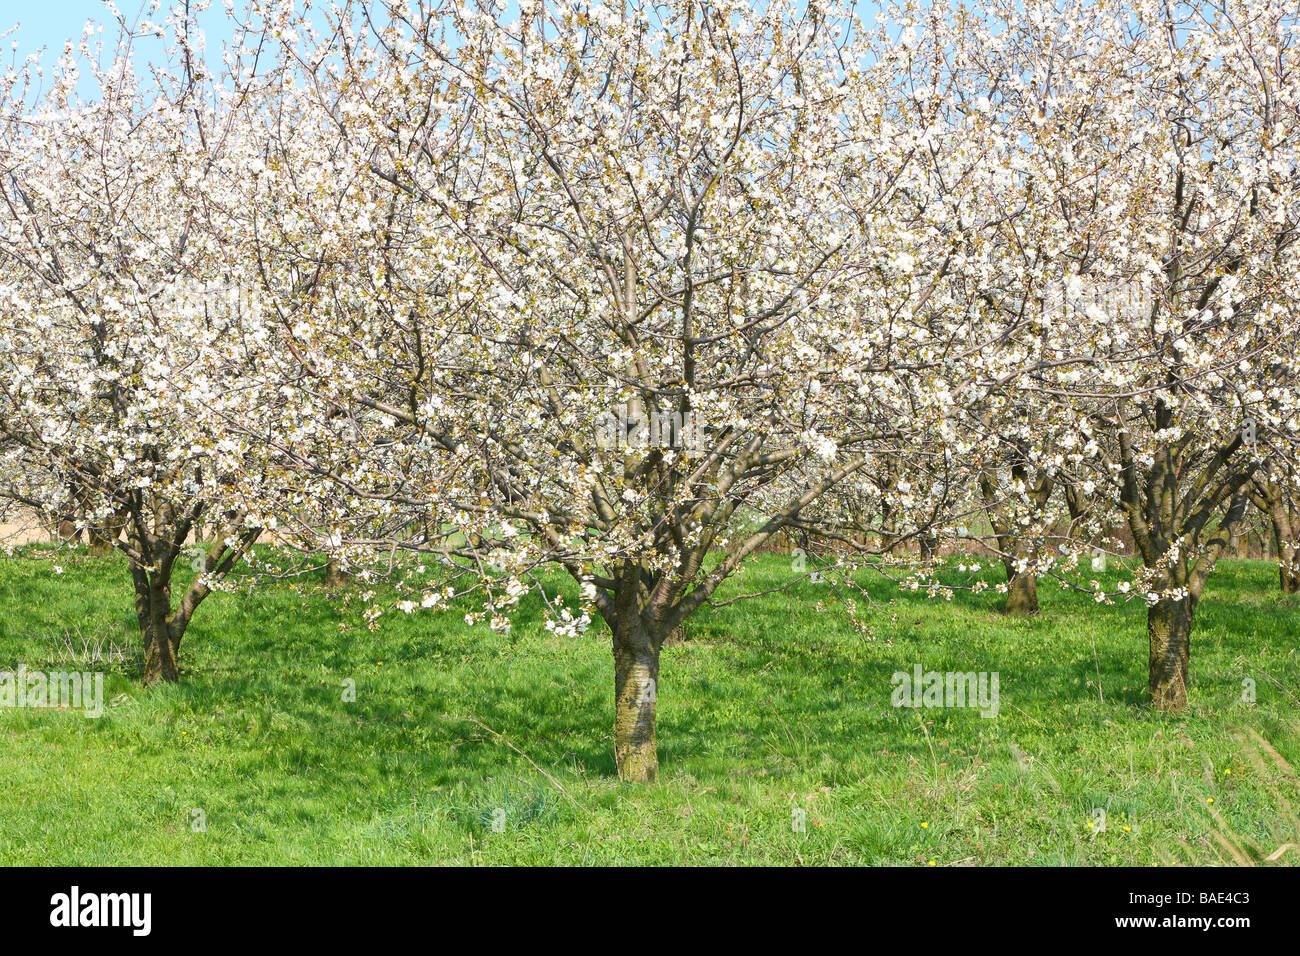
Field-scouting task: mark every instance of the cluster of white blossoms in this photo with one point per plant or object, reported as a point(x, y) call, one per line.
point(1036, 263)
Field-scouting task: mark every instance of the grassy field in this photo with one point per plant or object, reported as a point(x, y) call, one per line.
point(772, 705)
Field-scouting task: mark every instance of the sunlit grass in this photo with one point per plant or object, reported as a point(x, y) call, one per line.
point(772, 705)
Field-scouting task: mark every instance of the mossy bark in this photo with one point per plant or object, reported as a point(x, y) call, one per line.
point(1289, 578)
point(1287, 554)
point(1169, 630)
point(1022, 591)
point(160, 657)
point(161, 626)
point(161, 640)
point(636, 692)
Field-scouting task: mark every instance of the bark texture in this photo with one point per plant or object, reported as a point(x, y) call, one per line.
point(636, 693)
point(1169, 632)
point(335, 576)
point(1022, 592)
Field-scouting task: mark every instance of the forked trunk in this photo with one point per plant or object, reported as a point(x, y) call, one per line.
point(161, 642)
point(1169, 630)
point(163, 625)
point(636, 689)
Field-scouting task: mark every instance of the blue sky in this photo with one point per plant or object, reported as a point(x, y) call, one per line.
point(48, 23)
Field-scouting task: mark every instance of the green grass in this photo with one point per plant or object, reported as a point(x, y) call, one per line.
point(772, 705)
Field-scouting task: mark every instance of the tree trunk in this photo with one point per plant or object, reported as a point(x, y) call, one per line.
point(1022, 592)
point(929, 547)
point(335, 576)
point(1287, 555)
point(160, 656)
point(888, 539)
point(636, 690)
point(161, 642)
point(1022, 586)
point(1290, 577)
point(1169, 630)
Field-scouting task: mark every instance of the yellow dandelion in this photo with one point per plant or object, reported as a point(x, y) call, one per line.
point(925, 826)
